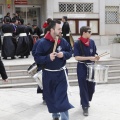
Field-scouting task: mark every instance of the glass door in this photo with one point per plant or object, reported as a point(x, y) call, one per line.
point(33, 15)
point(29, 14)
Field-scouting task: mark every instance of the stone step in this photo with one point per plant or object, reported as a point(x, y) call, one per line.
point(16, 67)
point(18, 73)
point(109, 62)
point(72, 69)
point(113, 73)
point(114, 67)
point(72, 76)
point(14, 73)
point(72, 83)
point(18, 79)
point(112, 64)
point(114, 79)
point(19, 85)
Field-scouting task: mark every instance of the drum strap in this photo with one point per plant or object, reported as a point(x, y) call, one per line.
point(48, 52)
point(41, 65)
point(81, 47)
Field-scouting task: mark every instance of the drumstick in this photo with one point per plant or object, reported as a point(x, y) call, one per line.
point(55, 44)
point(104, 55)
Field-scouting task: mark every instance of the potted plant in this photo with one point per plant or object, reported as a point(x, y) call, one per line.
point(115, 48)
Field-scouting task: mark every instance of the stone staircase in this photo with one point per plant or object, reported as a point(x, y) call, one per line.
point(18, 76)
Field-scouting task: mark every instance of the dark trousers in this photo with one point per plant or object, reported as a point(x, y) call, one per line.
point(67, 38)
point(86, 91)
point(40, 91)
point(2, 70)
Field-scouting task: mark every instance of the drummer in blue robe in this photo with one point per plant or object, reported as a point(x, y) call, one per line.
point(54, 73)
point(85, 53)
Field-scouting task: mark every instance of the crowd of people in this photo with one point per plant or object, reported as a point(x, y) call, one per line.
point(50, 54)
point(18, 38)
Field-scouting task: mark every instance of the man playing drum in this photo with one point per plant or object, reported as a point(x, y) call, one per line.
point(85, 53)
point(54, 72)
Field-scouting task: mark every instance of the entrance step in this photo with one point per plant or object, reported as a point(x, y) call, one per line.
point(18, 75)
point(113, 73)
point(114, 79)
point(18, 79)
point(14, 73)
point(31, 84)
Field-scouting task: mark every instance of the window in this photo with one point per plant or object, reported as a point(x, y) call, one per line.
point(76, 24)
point(111, 14)
point(72, 26)
point(81, 23)
point(62, 7)
point(70, 7)
point(76, 7)
point(94, 26)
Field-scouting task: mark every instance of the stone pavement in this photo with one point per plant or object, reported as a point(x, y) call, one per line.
point(25, 104)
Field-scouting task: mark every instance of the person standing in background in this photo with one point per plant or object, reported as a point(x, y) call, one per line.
point(66, 29)
point(37, 31)
point(8, 16)
point(46, 24)
point(23, 48)
point(29, 34)
point(8, 47)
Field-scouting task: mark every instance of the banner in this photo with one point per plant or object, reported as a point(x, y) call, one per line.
point(20, 2)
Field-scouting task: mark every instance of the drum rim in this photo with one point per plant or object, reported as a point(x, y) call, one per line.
point(97, 65)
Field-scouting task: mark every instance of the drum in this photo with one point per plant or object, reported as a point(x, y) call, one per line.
point(97, 73)
point(38, 79)
point(32, 70)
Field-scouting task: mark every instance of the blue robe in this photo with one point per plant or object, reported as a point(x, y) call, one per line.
point(54, 83)
point(86, 88)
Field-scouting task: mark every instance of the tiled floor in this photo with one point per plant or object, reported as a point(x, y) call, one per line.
point(25, 104)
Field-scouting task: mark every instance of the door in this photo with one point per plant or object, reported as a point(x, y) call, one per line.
point(29, 14)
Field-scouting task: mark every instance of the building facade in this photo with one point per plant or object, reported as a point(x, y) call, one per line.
point(102, 16)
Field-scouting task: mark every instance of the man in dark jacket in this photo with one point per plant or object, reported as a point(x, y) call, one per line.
point(37, 31)
point(65, 29)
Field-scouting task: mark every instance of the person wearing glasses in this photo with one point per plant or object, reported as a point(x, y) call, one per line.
point(85, 53)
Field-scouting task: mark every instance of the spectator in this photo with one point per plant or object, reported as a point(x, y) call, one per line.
point(66, 29)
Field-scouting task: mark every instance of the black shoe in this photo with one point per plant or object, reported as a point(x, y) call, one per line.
point(44, 102)
point(85, 111)
point(5, 58)
point(21, 57)
point(56, 119)
point(26, 56)
point(89, 105)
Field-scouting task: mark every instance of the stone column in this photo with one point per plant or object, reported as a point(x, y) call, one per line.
point(49, 8)
point(102, 16)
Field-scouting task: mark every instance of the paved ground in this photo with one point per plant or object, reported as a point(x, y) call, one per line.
point(25, 104)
